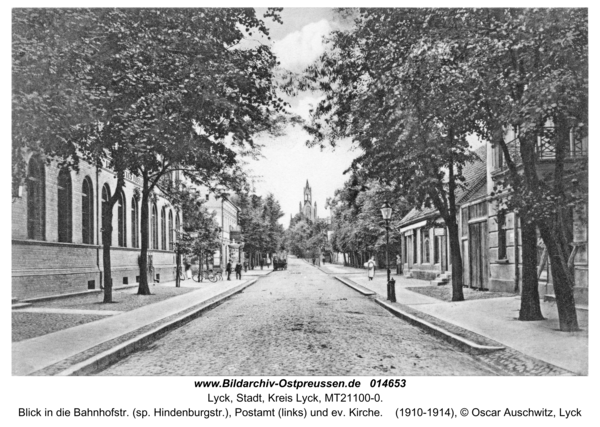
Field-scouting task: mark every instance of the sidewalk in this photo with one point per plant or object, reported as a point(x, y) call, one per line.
point(37, 353)
point(494, 318)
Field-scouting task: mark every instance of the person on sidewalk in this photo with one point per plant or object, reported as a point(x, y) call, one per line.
point(228, 270)
point(238, 271)
point(262, 263)
point(398, 261)
point(245, 266)
point(371, 268)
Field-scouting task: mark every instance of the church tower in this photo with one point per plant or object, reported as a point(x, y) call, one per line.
point(307, 209)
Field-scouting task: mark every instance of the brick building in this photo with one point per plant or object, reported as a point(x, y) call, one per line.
point(56, 231)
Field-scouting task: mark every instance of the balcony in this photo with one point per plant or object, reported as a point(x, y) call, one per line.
point(545, 151)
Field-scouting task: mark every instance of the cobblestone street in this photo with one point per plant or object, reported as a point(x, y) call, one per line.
point(299, 322)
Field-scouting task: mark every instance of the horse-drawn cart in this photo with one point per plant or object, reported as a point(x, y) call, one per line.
point(280, 262)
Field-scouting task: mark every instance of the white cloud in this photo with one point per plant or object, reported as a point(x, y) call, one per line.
point(300, 48)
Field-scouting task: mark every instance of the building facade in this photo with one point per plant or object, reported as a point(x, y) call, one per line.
point(490, 236)
point(504, 231)
point(56, 231)
point(227, 216)
point(425, 242)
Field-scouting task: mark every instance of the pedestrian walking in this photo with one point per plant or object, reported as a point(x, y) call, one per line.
point(238, 271)
point(398, 263)
point(371, 268)
point(228, 270)
point(245, 266)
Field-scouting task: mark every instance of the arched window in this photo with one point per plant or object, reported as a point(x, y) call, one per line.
point(65, 225)
point(163, 229)
point(154, 227)
point(171, 231)
point(135, 225)
point(121, 221)
point(105, 201)
point(87, 211)
point(36, 199)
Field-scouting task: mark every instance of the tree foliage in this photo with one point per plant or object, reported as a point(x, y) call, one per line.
point(148, 91)
point(357, 224)
point(410, 85)
point(401, 93)
point(259, 222)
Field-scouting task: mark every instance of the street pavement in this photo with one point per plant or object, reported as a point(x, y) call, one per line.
point(495, 318)
point(300, 321)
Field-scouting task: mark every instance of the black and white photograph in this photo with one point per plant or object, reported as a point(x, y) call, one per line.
point(267, 208)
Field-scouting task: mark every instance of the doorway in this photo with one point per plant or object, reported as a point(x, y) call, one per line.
point(478, 255)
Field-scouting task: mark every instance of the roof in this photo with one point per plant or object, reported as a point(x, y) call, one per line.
point(418, 214)
point(475, 176)
point(475, 182)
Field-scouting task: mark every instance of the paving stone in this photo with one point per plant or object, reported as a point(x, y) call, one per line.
point(299, 324)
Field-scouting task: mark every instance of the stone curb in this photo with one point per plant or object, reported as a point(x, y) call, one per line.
point(17, 306)
point(107, 357)
point(355, 286)
point(465, 344)
point(75, 294)
point(261, 275)
point(318, 267)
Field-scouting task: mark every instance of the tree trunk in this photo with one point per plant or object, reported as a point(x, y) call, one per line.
point(106, 244)
point(457, 267)
point(143, 288)
point(551, 234)
point(562, 281)
point(177, 268)
point(107, 217)
point(530, 297)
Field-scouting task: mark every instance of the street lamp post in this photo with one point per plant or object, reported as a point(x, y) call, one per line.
point(386, 213)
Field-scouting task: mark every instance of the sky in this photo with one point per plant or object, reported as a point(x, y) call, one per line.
point(287, 163)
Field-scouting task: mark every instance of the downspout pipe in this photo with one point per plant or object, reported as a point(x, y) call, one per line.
point(222, 232)
point(516, 240)
point(98, 224)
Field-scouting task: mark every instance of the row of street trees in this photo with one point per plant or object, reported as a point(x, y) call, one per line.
point(148, 91)
point(357, 225)
point(410, 85)
point(259, 222)
point(306, 238)
point(200, 234)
